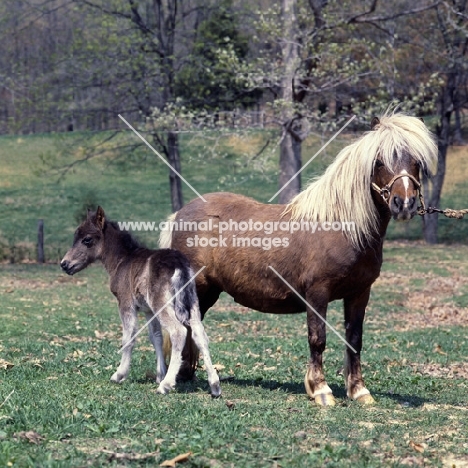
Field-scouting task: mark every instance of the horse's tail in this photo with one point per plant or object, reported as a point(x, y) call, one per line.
point(165, 236)
point(184, 303)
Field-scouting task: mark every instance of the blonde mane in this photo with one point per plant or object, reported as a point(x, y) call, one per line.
point(343, 192)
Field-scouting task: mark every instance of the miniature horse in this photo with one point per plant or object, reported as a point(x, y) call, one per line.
point(148, 280)
point(371, 181)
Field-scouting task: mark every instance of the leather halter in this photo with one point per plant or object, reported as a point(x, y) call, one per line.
point(386, 189)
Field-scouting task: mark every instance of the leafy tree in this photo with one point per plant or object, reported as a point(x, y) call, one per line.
point(203, 81)
point(310, 53)
point(426, 69)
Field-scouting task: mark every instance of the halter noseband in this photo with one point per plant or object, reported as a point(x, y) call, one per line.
point(385, 191)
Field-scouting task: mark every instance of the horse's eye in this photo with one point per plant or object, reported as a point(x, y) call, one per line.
point(378, 163)
point(87, 241)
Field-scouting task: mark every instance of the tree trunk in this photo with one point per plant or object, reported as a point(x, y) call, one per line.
point(457, 134)
point(290, 148)
point(443, 139)
point(290, 163)
point(174, 180)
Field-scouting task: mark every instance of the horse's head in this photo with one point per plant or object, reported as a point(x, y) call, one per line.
point(87, 243)
point(398, 187)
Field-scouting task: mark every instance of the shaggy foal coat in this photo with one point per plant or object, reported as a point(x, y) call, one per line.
point(157, 282)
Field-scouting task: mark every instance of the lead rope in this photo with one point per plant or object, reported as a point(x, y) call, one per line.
point(448, 212)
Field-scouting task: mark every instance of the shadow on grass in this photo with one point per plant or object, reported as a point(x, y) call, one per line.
point(404, 400)
point(293, 388)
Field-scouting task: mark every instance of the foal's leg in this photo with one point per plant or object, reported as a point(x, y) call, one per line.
point(207, 296)
point(355, 308)
point(177, 334)
point(156, 337)
point(201, 340)
point(316, 386)
point(128, 316)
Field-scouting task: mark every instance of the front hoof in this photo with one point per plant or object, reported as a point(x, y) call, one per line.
point(325, 399)
point(118, 378)
point(366, 399)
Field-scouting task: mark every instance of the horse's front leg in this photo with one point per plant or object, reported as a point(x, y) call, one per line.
point(315, 383)
point(128, 316)
point(355, 309)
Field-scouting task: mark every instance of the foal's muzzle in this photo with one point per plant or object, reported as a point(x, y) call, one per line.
point(68, 268)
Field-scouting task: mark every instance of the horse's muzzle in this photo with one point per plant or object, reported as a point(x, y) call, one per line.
point(403, 209)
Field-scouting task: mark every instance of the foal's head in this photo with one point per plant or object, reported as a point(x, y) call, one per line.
point(87, 243)
point(397, 183)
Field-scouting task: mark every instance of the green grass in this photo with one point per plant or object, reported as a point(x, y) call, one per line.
point(62, 335)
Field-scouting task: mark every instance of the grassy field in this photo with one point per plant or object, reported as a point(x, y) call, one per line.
point(60, 335)
point(59, 343)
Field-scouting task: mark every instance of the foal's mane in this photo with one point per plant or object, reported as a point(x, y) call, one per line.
point(343, 192)
point(128, 241)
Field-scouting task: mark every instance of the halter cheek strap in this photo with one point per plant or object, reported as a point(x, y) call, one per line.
point(386, 190)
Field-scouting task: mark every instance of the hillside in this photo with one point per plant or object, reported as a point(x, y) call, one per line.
point(135, 186)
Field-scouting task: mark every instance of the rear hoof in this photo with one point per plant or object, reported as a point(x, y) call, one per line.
point(325, 399)
point(163, 389)
point(366, 399)
point(215, 391)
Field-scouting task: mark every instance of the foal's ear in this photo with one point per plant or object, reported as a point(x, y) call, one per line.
point(374, 122)
point(100, 218)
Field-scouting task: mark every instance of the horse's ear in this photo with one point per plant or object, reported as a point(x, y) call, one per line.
point(421, 119)
point(374, 122)
point(100, 218)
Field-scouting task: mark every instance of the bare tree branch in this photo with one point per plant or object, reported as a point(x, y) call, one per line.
point(361, 18)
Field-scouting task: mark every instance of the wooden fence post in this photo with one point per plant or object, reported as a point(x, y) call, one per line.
point(40, 241)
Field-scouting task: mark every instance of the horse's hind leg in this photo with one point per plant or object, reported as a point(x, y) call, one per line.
point(128, 317)
point(355, 309)
point(315, 383)
point(156, 338)
point(201, 340)
point(177, 334)
point(207, 296)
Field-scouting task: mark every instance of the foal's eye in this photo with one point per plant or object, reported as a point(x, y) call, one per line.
point(87, 241)
point(378, 163)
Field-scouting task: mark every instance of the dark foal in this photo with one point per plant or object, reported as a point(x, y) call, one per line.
point(144, 280)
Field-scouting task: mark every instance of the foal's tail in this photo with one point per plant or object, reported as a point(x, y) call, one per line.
point(185, 303)
point(165, 237)
point(186, 300)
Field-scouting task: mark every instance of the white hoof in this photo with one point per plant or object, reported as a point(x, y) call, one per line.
point(164, 389)
point(118, 378)
point(215, 390)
